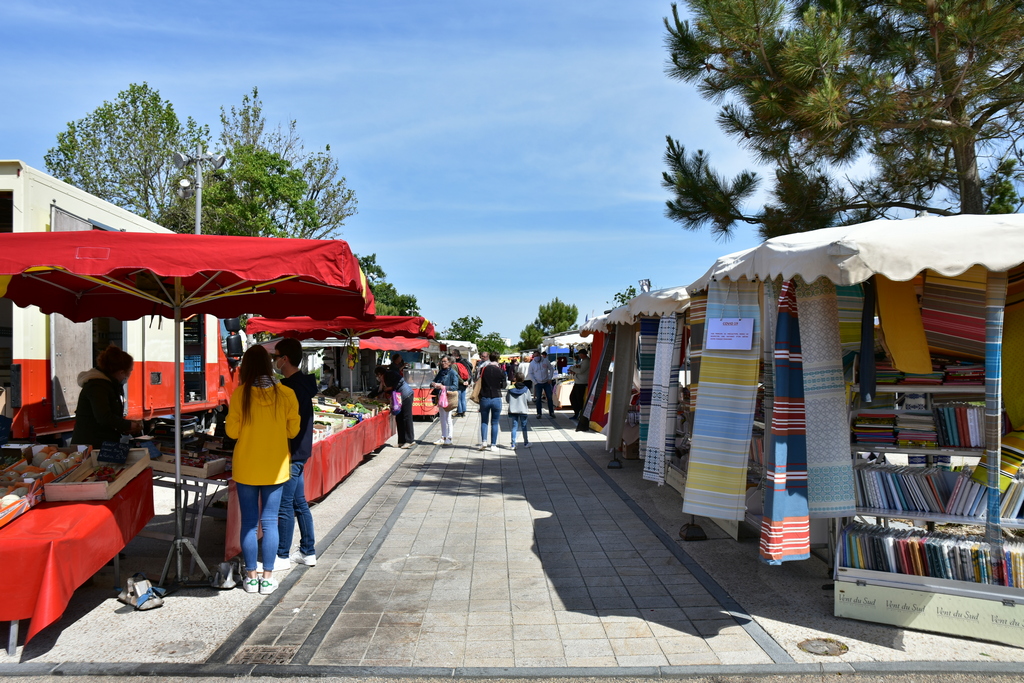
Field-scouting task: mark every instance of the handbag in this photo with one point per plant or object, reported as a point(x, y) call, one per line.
point(451, 400)
point(474, 395)
point(396, 402)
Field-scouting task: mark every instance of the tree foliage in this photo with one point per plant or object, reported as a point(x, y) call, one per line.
point(555, 316)
point(466, 328)
point(530, 338)
point(930, 91)
point(624, 297)
point(492, 342)
point(121, 152)
point(386, 297)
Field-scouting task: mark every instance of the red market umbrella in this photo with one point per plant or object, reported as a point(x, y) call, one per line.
point(83, 275)
point(394, 344)
point(385, 326)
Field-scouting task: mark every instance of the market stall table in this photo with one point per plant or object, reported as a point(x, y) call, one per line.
point(333, 459)
point(55, 547)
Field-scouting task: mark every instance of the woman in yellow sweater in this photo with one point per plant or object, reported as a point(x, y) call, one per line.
point(263, 415)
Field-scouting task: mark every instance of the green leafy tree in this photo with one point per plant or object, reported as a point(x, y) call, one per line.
point(491, 342)
point(624, 297)
point(530, 337)
point(121, 152)
point(921, 88)
point(386, 297)
point(326, 192)
point(466, 328)
point(555, 316)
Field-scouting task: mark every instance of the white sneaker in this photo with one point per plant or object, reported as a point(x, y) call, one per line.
point(298, 558)
point(447, 442)
point(267, 586)
point(251, 585)
point(493, 447)
point(513, 446)
point(481, 446)
point(441, 442)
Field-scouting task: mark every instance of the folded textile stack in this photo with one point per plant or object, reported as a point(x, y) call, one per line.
point(916, 430)
point(875, 428)
point(886, 373)
point(965, 373)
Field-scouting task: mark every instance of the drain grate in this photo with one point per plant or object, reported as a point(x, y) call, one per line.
point(266, 654)
point(827, 647)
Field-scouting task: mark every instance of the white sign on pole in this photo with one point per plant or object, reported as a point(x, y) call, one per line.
point(731, 334)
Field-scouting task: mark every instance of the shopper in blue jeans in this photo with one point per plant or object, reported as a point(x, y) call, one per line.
point(518, 397)
point(492, 381)
point(287, 358)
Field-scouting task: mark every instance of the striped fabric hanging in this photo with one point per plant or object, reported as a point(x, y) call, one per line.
point(662, 428)
point(648, 346)
point(785, 526)
point(829, 465)
point(720, 448)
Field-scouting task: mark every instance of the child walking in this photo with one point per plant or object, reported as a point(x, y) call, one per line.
point(518, 397)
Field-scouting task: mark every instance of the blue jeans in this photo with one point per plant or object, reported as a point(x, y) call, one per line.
point(294, 506)
point(519, 422)
point(490, 410)
point(462, 402)
point(546, 388)
point(249, 498)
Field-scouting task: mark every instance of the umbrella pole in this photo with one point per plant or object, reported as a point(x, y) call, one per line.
point(180, 543)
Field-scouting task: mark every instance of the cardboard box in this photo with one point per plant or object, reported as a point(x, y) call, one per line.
point(73, 488)
point(211, 467)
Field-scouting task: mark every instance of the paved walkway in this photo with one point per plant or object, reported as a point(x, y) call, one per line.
point(523, 558)
point(531, 561)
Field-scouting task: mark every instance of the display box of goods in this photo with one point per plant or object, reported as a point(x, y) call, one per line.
point(321, 431)
point(201, 463)
point(22, 483)
point(98, 480)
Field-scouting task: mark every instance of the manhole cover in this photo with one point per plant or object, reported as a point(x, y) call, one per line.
point(421, 564)
point(824, 646)
point(180, 648)
point(266, 654)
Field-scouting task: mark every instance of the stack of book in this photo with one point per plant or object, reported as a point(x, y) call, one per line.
point(919, 553)
point(960, 425)
point(1012, 506)
point(906, 489)
point(968, 499)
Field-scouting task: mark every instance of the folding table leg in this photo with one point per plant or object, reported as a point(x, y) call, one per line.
point(12, 638)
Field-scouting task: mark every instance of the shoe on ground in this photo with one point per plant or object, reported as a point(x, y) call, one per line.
point(251, 585)
point(267, 586)
point(513, 445)
point(298, 558)
point(481, 446)
point(527, 444)
point(441, 442)
point(493, 448)
point(447, 442)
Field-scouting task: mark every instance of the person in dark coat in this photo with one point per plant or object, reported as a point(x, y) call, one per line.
point(99, 416)
point(287, 357)
point(394, 380)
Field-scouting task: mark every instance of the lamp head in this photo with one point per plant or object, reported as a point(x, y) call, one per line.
point(179, 160)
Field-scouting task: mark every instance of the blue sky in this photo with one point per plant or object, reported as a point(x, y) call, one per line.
point(502, 153)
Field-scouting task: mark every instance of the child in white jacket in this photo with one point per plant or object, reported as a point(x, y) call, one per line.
point(518, 397)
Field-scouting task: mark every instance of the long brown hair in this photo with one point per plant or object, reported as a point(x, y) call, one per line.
point(255, 364)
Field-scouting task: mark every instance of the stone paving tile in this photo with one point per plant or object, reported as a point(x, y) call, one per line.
point(587, 647)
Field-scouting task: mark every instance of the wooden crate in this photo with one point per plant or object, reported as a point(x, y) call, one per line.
point(73, 488)
point(166, 464)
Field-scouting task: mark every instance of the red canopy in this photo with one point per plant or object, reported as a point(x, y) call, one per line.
point(385, 326)
point(84, 275)
point(394, 344)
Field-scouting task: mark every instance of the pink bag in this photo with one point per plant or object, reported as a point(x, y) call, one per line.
point(396, 402)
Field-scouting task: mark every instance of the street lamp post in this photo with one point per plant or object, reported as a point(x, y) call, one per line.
point(185, 189)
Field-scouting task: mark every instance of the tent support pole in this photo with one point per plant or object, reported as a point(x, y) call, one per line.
point(180, 544)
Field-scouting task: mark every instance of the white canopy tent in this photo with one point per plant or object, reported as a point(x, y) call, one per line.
point(899, 250)
point(659, 302)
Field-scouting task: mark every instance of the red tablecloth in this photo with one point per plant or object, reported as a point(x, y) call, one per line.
point(55, 547)
point(332, 460)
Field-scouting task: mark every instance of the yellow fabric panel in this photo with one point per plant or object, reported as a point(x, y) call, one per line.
point(900, 316)
point(262, 456)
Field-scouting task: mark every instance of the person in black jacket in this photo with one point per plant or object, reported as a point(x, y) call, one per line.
point(287, 357)
point(100, 413)
point(492, 381)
